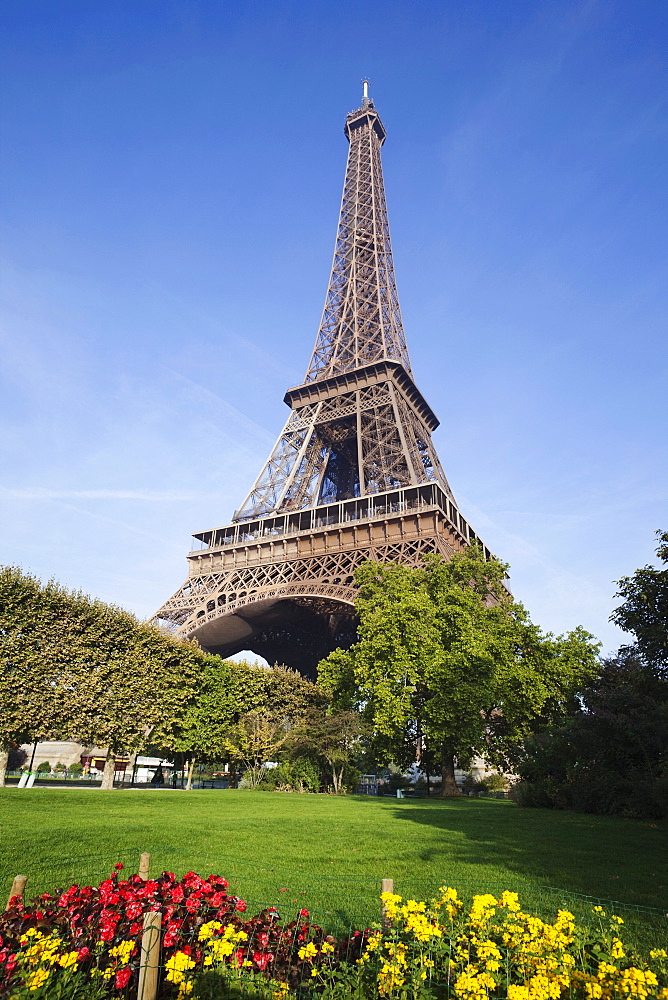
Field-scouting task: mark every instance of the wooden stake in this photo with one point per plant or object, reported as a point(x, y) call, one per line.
point(18, 885)
point(387, 885)
point(144, 865)
point(149, 963)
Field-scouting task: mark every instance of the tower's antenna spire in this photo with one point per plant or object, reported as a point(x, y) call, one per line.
point(365, 95)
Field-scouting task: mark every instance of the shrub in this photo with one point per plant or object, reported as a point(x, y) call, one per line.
point(300, 775)
point(607, 756)
point(495, 783)
point(76, 768)
point(44, 767)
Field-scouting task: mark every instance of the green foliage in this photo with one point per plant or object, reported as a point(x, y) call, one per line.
point(495, 783)
point(448, 661)
point(611, 754)
point(72, 667)
point(76, 768)
point(645, 608)
point(254, 740)
point(337, 738)
point(300, 775)
point(44, 767)
point(229, 691)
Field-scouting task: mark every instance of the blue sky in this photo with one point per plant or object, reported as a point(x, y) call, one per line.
point(171, 176)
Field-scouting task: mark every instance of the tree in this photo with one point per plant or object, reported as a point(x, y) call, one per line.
point(30, 705)
point(645, 608)
point(337, 738)
point(230, 690)
point(77, 668)
point(253, 741)
point(610, 754)
point(446, 655)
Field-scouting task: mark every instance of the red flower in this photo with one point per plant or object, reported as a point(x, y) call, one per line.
point(83, 954)
point(123, 977)
point(193, 904)
point(218, 898)
point(134, 929)
point(118, 866)
point(177, 895)
point(303, 913)
point(170, 939)
point(261, 959)
point(107, 934)
point(240, 905)
point(133, 910)
point(263, 940)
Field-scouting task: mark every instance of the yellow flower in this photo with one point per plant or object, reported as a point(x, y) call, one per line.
point(605, 969)
point(221, 948)
point(69, 959)
point(123, 951)
point(177, 966)
point(658, 953)
point(510, 900)
point(31, 932)
point(482, 908)
point(327, 948)
point(37, 978)
point(309, 951)
point(207, 930)
point(617, 950)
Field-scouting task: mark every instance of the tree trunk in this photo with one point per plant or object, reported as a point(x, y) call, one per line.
point(109, 771)
point(449, 785)
point(190, 775)
point(4, 757)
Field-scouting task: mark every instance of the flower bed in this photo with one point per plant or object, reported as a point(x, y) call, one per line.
point(86, 941)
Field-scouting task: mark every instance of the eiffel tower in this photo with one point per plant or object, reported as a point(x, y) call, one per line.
point(354, 475)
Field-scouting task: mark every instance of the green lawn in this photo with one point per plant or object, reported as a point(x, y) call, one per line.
point(330, 853)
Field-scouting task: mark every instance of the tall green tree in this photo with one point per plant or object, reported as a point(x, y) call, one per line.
point(644, 610)
point(228, 692)
point(30, 706)
point(446, 655)
point(75, 668)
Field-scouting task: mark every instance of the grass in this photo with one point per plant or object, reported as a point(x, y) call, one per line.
point(329, 854)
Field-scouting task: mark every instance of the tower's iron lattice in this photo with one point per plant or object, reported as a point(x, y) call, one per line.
point(354, 474)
